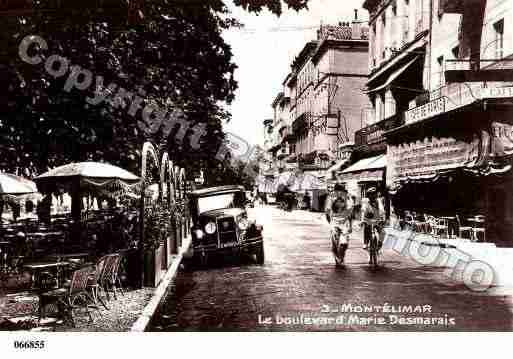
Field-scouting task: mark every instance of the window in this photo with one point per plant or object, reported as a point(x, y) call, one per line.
point(499, 39)
point(220, 201)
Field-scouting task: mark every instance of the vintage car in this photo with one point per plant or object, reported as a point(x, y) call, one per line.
point(220, 224)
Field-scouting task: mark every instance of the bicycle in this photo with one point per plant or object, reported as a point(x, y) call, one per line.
point(374, 245)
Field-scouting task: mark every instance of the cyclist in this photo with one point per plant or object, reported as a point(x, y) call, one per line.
point(339, 214)
point(371, 214)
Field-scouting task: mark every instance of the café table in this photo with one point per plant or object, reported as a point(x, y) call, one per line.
point(451, 225)
point(69, 256)
point(45, 234)
point(37, 268)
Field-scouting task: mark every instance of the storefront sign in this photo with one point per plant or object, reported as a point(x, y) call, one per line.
point(374, 133)
point(496, 92)
point(423, 112)
point(432, 155)
point(455, 96)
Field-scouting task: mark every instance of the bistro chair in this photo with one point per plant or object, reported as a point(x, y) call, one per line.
point(441, 225)
point(67, 299)
point(463, 229)
point(431, 222)
point(409, 220)
point(420, 223)
point(94, 281)
point(109, 279)
point(479, 228)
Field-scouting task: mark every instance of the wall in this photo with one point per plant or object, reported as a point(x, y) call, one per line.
point(394, 29)
point(349, 61)
point(351, 101)
point(445, 37)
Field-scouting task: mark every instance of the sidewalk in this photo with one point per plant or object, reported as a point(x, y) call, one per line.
point(499, 259)
point(131, 311)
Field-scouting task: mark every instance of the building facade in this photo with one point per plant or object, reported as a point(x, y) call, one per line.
point(320, 107)
point(441, 93)
point(398, 34)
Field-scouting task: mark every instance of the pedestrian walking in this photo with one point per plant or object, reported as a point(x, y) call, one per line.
point(339, 213)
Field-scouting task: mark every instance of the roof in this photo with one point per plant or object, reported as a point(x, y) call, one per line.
point(219, 189)
point(368, 164)
point(277, 99)
point(304, 55)
point(369, 5)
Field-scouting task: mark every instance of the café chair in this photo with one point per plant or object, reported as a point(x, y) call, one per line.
point(421, 224)
point(109, 279)
point(479, 229)
point(463, 229)
point(94, 282)
point(441, 225)
point(409, 220)
point(68, 299)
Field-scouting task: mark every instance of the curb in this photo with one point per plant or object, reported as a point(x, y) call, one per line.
point(149, 310)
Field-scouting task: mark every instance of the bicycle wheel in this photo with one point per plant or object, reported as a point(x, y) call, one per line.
point(373, 251)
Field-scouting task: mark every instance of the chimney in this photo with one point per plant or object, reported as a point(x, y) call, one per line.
point(356, 26)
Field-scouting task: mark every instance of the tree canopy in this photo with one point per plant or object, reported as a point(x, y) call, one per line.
point(168, 52)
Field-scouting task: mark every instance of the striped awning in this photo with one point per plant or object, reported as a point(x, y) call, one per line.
point(366, 170)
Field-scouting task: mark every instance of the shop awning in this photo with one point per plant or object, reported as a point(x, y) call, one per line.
point(394, 76)
point(337, 166)
point(365, 170)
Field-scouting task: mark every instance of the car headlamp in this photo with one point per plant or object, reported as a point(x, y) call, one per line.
point(210, 228)
point(199, 233)
point(243, 224)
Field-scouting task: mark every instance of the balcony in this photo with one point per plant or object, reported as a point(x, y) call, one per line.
point(283, 152)
point(287, 134)
point(477, 71)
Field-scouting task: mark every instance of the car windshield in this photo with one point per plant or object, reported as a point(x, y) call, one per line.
point(220, 201)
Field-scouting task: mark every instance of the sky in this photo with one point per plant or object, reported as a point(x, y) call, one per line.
point(263, 52)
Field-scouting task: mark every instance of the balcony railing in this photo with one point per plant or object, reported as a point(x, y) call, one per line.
point(479, 70)
point(283, 152)
point(368, 116)
point(421, 26)
point(287, 133)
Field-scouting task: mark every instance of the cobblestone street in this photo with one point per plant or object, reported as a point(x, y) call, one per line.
point(299, 284)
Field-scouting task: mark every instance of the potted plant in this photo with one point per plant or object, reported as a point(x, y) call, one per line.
point(154, 233)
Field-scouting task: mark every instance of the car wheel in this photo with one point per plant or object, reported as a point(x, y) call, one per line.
point(260, 256)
